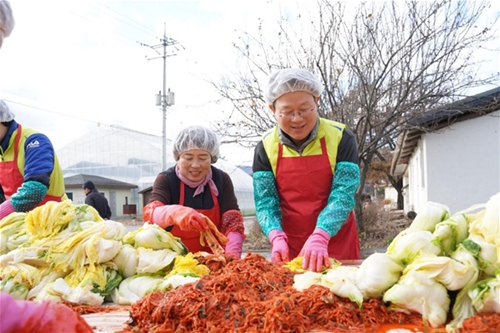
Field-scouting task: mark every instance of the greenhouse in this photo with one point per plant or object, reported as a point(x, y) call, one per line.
point(135, 157)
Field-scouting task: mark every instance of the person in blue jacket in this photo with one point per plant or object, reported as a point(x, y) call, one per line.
point(22, 315)
point(30, 174)
point(305, 174)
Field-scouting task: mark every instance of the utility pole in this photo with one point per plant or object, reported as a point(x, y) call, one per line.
point(164, 98)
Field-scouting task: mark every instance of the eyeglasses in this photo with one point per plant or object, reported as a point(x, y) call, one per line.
point(291, 115)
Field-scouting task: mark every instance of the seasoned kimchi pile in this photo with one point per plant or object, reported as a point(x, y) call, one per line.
point(253, 295)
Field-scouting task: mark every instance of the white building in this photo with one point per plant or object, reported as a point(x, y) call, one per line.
point(451, 155)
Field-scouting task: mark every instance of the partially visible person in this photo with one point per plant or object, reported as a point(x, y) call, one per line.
point(195, 186)
point(30, 174)
point(97, 200)
point(19, 316)
point(305, 174)
point(6, 20)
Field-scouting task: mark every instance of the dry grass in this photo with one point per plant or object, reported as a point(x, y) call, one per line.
point(381, 226)
point(255, 240)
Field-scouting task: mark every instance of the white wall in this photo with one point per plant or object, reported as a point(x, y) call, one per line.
point(416, 178)
point(117, 211)
point(463, 162)
point(391, 194)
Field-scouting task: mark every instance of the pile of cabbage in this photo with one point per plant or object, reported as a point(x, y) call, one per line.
point(437, 256)
point(67, 252)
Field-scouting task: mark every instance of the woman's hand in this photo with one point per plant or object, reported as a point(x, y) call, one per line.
point(234, 245)
point(186, 218)
point(280, 253)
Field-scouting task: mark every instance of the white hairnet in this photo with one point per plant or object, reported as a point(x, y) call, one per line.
point(292, 79)
point(6, 20)
point(5, 113)
point(197, 137)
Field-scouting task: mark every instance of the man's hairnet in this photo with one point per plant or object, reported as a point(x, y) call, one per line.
point(197, 137)
point(5, 113)
point(6, 20)
point(292, 79)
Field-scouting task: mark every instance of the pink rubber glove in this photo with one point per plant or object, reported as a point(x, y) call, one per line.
point(6, 208)
point(279, 242)
point(26, 316)
point(315, 251)
point(186, 218)
point(234, 245)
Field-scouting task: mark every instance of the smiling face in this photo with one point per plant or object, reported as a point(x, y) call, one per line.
point(296, 114)
point(194, 164)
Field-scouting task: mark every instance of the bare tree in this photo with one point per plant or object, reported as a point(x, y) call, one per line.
point(382, 63)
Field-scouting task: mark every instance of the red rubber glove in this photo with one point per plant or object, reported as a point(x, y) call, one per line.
point(26, 316)
point(184, 217)
point(234, 245)
point(280, 253)
point(6, 208)
point(315, 251)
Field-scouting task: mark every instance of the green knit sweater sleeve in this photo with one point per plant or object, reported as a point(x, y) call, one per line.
point(341, 199)
point(267, 202)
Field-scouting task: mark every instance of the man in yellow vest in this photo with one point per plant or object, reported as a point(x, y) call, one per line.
point(305, 174)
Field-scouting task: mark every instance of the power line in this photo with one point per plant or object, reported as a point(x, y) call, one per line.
point(128, 18)
point(99, 123)
point(54, 112)
point(127, 3)
point(89, 20)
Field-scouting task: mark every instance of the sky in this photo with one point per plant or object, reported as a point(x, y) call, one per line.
point(71, 66)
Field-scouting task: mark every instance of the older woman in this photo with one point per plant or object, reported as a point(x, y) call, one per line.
point(305, 175)
point(195, 186)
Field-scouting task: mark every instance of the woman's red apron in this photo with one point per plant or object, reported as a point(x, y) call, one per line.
point(192, 238)
point(304, 184)
point(10, 175)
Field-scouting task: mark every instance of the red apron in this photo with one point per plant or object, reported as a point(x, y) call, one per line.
point(192, 238)
point(11, 178)
point(304, 184)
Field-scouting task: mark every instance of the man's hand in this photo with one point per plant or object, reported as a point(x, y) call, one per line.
point(315, 251)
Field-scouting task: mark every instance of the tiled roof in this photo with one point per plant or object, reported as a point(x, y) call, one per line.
point(467, 108)
point(471, 106)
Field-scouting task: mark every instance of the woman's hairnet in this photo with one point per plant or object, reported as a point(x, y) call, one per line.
point(6, 20)
point(5, 113)
point(292, 79)
point(197, 137)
